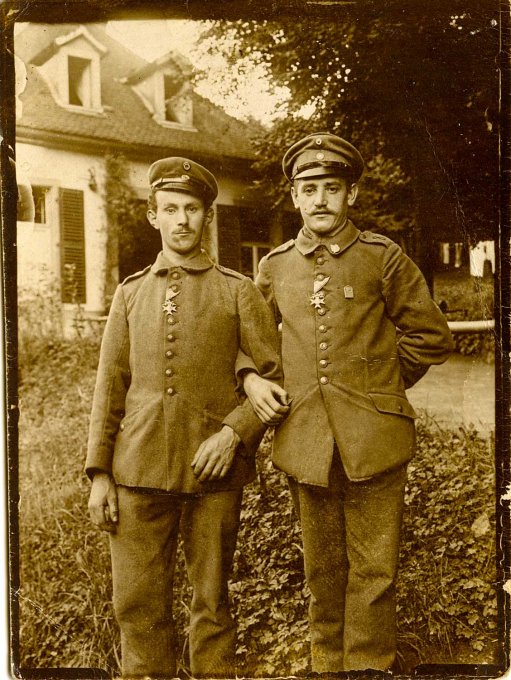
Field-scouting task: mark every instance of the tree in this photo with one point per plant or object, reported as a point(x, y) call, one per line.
point(414, 85)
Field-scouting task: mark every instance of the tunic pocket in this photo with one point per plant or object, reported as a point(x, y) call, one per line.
point(392, 403)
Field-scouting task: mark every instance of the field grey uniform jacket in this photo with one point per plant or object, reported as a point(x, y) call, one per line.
point(166, 382)
point(348, 361)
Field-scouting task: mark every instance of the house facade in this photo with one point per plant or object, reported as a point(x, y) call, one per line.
point(88, 98)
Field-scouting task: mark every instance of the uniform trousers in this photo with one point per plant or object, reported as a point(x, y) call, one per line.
point(143, 553)
point(350, 534)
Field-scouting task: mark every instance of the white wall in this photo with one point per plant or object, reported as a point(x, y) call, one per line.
point(39, 244)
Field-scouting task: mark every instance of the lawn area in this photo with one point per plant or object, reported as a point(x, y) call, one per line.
point(446, 591)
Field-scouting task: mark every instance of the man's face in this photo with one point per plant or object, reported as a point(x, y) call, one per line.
point(323, 202)
point(180, 218)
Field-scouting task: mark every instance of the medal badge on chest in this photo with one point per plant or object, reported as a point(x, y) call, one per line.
point(169, 306)
point(317, 299)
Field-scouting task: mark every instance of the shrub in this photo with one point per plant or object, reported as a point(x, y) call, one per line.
point(446, 589)
point(39, 317)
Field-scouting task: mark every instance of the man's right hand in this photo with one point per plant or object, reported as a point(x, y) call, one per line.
point(269, 401)
point(103, 507)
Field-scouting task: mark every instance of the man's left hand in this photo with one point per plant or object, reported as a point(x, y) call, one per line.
point(215, 456)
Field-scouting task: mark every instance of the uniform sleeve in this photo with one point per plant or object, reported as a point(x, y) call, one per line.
point(424, 337)
point(112, 382)
point(259, 347)
point(264, 284)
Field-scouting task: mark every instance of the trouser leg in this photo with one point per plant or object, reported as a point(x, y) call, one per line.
point(209, 529)
point(373, 514)
point(321, 518)
point(143, 559)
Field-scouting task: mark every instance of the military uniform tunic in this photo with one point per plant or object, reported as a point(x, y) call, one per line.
point(358, 327)
point(166, 381)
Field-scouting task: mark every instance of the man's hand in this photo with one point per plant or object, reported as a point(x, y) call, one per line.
point(215, 456)
point(269, 401)
point(103, 508)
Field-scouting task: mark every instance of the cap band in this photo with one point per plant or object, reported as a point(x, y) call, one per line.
point(332, 165)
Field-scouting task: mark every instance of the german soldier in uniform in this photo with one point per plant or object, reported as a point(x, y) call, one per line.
point(358, 328)
point(170, 444)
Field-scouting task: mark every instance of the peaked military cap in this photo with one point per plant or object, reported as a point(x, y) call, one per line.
point(322, 154)
point(182, 174)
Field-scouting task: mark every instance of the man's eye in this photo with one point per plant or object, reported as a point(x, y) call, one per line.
point(333, 190)
point(170, 211)
point(192, 209)
point(308, 191)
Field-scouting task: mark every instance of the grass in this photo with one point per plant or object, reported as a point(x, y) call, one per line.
point(447, 579)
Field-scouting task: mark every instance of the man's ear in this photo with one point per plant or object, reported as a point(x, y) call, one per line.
point(210, 213)
point(294, 196)
point(352, 194)
point(151, 218)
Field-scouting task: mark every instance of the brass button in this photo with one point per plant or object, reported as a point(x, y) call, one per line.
point(323, 345)
point(320, 277)
point(320, 260)
point(169, 353)
point(323, 363)
point(168, 371)
point(322, 328)
point(121, 427)
point(170, 391)
point(175, 288)
point(175, 275)
point(170, 337)
point(322, 312)
point(323, 380)
point(171, 320)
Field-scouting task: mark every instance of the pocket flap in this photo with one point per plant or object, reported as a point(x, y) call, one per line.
point(393, 403)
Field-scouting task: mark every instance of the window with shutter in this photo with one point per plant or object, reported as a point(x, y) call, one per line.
point(228, 218)
point(72, 246)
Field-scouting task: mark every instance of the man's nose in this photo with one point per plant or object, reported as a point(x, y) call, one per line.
point(320, 197)
point(182, 216)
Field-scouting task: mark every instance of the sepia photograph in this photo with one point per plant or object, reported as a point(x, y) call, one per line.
point(256, 350)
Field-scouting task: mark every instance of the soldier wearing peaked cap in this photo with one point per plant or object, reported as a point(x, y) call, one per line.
point(171, 444)
point(358, 328)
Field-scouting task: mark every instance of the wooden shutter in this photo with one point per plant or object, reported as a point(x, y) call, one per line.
point(229, 253)
point(72, 246)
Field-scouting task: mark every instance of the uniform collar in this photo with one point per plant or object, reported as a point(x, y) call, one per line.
point(198, 264)
point(307, 245)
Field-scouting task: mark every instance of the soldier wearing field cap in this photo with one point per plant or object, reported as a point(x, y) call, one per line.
point(171, 441)
point(358, 328)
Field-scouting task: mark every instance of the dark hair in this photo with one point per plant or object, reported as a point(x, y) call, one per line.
point(151, 200)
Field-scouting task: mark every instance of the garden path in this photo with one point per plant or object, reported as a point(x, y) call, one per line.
point(459, 392)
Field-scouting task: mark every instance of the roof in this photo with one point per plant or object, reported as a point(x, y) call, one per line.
point(125, 121)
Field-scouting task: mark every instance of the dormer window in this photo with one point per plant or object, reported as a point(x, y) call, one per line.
point(79, 82)
point(71, 67)
point(164, 87)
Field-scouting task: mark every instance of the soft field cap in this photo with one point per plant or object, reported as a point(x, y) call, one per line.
point(182, 174)
point(322, 154)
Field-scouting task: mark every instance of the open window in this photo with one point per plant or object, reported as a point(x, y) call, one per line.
point(79, 82)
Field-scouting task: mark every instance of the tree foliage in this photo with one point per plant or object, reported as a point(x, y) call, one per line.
point(414, 85)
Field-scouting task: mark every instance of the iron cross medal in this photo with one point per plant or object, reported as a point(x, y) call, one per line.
point(169, 306)
point(317, 299)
